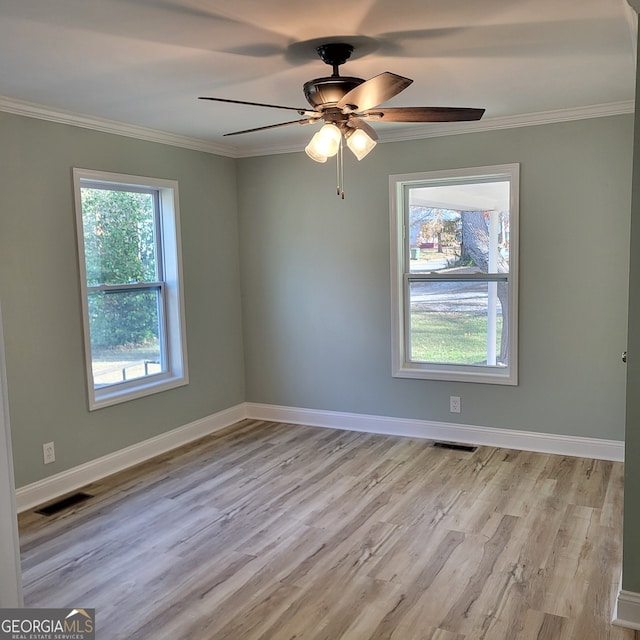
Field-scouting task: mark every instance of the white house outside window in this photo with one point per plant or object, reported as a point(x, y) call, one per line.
point(130, 267)
point(454, 251)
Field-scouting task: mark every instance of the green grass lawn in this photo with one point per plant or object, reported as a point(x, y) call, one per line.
point(450, 337)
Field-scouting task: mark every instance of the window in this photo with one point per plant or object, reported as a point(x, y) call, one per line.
point(130, 269)
point(454, 254)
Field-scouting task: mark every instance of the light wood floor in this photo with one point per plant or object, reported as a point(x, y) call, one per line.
point(280, 532)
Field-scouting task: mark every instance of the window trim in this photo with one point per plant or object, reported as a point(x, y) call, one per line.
point(402, 367)
point(172, 291)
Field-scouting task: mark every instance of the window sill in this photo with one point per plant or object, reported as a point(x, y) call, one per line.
point(458, 373)
point(108, 396)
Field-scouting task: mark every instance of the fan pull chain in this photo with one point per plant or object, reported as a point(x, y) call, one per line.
point(340, 170)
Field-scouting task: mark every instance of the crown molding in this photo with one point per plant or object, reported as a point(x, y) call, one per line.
point(41, 112)
point(32, 110)
point(420, 132)
point(512, 122)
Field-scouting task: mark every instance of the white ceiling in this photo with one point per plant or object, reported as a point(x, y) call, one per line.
point(145, 62)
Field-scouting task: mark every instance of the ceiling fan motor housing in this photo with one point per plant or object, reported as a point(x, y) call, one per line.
point(326, 92)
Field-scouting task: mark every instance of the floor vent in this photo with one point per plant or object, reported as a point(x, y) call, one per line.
point(455, 446)
point(65, 503)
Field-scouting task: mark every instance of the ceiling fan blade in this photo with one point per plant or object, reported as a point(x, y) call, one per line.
point(300, 110)
point(373, 92)
point(185, 9)
point(423, 114)
point(272, 126)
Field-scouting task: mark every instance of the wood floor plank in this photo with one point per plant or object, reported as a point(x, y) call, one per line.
point(412, 592)
point(273, 531)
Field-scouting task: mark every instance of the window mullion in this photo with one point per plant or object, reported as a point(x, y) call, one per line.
point(126, 287)
point(452, 277)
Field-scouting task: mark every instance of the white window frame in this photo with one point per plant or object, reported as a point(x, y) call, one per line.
point(173, 321)
point(402, 366)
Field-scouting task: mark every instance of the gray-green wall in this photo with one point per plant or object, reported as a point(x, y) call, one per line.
point(631, 548)
point(39, 288)
point(316, 285)
point(287, 287)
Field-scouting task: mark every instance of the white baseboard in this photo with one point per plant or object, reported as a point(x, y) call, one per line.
point(627, 609)
point(523, 440)
point(70, 480)
point(57, 485)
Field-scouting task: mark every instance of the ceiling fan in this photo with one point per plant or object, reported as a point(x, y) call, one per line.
point(347, 104)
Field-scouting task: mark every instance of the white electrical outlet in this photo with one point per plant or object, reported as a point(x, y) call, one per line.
point(48, 453)
point(454, 404)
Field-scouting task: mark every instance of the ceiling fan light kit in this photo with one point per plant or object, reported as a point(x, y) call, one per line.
point(312, 150)
point(359, 142)
point(345, 103)
point(325, 143)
